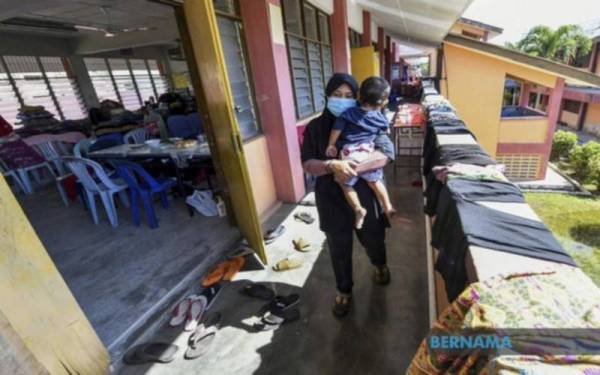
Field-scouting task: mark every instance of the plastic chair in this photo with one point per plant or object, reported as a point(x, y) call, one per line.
point(179, 126)
point(136, 136)
point(82, 148)
point(195, 123)
point(100, 184)
point(51, 154)
point(6, 172)
point(142, 186)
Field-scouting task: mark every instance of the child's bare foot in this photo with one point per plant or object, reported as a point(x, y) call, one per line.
point(360, 214)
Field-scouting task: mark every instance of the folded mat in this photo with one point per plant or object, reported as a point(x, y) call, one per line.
point(562, 297)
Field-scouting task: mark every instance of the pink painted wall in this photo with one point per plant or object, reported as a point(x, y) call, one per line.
point(274, 98)
point(381, 50)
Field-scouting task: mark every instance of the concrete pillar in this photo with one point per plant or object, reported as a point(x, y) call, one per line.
point(340, 37)
point(84, 82)
point(365, 40)
point(388, 57)
point(394, 56)
point(594, 57)
point(583, 107)
point(553, 112)
point(381, 50)
point(524, 98)
point(263, 30)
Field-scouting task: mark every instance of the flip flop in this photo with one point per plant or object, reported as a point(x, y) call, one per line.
point(305, 217)
point(258, 291)
point(233, 267)
point(280, 303)
point(287, 264)
point(210, 294)
point(195, 313)
point(271, 321)
point(273, 234)
point(180, 311)
point(215, 275)
point(150, 352)
point(203, 336)
point(301, 244)
point(242, 251)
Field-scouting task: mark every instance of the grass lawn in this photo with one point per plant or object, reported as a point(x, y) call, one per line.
point(576, 224)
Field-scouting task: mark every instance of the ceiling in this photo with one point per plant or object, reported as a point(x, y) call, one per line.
point(416, 22)
point(130, 23)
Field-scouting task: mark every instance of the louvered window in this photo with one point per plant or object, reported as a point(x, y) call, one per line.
point(29, 81)
point(101, 80)
point(124, 83)
point(142, 79)
point(64, 86)
point(158, 77)
point(309, 53)
point(230, 30)
point(9, 102)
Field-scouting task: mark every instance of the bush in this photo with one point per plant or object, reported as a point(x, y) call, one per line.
point(594, 169)
point(581, 158)
point(562, 144)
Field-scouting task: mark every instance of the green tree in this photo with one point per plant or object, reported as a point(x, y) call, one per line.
point(565, 44)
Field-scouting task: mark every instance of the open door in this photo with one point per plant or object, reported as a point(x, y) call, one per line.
point(202, 46)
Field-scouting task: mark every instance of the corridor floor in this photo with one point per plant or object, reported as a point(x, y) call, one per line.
point(379, 336)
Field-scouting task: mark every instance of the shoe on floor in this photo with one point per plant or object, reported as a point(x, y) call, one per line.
point(381, 275)
point(341, 306)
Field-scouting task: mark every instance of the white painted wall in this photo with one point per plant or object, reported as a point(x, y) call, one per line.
point(354, 14)
point(373, 30)
point(324, 5)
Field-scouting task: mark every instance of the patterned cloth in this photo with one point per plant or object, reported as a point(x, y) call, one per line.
point(470, 171)
point(69, 137)
point(562, 297)
point(17, 154)
point(359, 153)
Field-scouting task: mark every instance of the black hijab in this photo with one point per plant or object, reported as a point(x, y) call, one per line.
point(339, 79)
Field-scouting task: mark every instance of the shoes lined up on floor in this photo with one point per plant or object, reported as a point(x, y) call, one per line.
point(191, 312)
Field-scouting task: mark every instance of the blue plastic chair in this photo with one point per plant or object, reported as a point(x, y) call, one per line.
point(179, 126)
point(136, 136)
point(82, 147)
point(195, 123)
point(95, 181)
point(6, 172)
point(142, 186)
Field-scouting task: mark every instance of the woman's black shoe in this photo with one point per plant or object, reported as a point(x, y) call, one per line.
point(381, 275)
point(341, 306)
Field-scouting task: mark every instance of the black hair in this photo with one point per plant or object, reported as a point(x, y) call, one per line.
point(339, 79)
point(374, 91)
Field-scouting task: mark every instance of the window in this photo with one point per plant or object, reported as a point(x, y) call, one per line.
point(9, 102)
point(571, 106)
point(64, 86)
point(532, 99)
point(143, 81)
point(101, 79)
point(30, 83)
point(309, 53)
point(158, 77)
point(230, 30)
point(355, 38)
point(124, 83)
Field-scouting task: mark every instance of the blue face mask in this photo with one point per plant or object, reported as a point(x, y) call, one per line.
point(338, 105)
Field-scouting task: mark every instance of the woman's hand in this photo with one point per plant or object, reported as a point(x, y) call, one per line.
point(343, 170)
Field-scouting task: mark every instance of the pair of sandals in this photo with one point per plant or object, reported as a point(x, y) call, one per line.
point(279, 310)
point(191, 309)
point(199, 343)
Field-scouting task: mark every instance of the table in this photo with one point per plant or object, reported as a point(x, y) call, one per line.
point(180, 158)
point(408, 126)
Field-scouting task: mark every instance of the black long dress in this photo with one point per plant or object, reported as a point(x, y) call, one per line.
point(335, 214)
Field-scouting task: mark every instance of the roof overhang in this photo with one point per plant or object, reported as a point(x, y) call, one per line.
point(570, 74)
point(422, 22)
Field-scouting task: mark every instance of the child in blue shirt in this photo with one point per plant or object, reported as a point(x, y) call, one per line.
point(353, 133)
